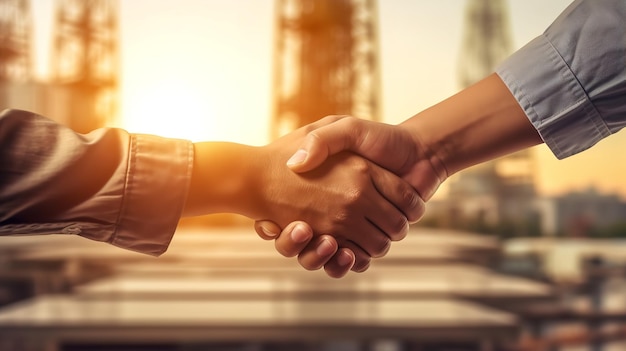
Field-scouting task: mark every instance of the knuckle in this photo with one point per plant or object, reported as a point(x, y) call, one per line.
point(322, 122)
point(360, 165)
point(419, 212)
point(309, 266)
point(313, 134)
point(308, 129)
point(335, 272)
point(285, 251)
point(350, 121)
point(400, 229)
point(341, 216)
point(353, 197)
point(413, 205)
point(361, 265)
point(335, 118)
point(409, 196)
point(382, 249)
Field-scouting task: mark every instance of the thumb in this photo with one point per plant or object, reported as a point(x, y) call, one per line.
point(267, 230)
point(323, 142)
point(310, 155)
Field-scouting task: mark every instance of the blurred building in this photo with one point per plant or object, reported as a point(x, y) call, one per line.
point(325, 61)
point(580, 213)
point(46, 99)
point(84, 63)
point(499, 193)
point(15, 33)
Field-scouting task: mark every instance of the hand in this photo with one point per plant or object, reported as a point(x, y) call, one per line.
point(480, 123)
point(372, 140)
point(297, 240)
point(362, 205)
point(392, 147)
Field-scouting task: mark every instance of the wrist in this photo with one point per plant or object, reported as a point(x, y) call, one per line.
point(223, 179)
point(478, 124)
point(436, 138)
point(426, 169)
point(426, 149)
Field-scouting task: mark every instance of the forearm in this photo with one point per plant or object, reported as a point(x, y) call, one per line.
point(478, 124)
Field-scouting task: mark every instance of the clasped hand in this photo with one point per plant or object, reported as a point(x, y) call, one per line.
point(341, 209)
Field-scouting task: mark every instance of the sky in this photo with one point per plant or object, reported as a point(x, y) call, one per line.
point(201, 70)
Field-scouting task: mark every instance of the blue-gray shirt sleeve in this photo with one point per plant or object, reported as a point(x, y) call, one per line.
point(571, 80)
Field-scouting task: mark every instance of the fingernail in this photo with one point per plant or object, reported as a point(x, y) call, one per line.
point(298, 157)
point(299, 234)
point(268, 232)
point(325, 248)
point(344, 259)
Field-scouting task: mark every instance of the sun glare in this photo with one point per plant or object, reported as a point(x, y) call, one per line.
point(171, 110)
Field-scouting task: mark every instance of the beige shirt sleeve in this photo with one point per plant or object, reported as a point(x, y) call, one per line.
point(109, 185)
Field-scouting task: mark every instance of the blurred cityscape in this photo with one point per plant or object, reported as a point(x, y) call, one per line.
point(493, 265)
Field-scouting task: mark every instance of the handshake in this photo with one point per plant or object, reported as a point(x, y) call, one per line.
point(358, 186)
point(337, 192)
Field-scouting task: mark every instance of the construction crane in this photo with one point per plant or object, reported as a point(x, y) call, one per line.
point(501, 190)
point(486, 39)
point(326, 61)
point(15, 39)
point(85, 60)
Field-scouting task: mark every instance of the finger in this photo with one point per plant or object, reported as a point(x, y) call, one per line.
point(323, 122)
point(399, 193)
point(365, 235)
point(390, 221)
point(343, 134)
point(374, 241)
point(385, 217)
point(305, 130)
point(315, 255)
point(293, 239)
point(361, 259)
point(340, 264)
point(267, 230)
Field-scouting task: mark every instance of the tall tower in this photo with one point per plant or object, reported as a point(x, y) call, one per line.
point(15, 40)
point(500, 191)
point(326, 61)
point(486, 39)
point(85, 60)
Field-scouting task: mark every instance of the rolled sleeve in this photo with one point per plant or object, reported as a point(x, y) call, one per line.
point(155, 191)
point(125, 189)
point(570, 81)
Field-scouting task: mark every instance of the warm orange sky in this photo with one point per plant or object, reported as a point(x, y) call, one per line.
point(201, 69)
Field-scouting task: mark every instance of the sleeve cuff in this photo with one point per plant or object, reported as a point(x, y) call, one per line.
point(552, 98)
point(157, 179)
